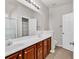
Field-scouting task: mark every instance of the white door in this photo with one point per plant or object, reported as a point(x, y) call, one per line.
point(68, 31)
point(32, 26)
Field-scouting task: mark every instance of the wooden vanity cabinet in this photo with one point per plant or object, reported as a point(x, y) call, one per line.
point(30, 52)
point(17, 55)
point(39, 50)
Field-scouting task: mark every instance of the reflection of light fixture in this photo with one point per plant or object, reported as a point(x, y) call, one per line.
point(33, 3)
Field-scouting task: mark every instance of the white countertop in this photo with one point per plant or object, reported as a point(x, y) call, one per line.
point(23, 42)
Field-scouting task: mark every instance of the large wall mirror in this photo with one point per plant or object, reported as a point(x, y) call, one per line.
point(28, 27)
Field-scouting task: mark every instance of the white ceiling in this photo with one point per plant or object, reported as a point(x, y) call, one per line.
point(51, 3)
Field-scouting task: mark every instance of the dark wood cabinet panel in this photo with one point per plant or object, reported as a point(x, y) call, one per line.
point(14, 56)
point(39, 50)
point(39, 53)
point(30, 52)
point(17, 55)
point(49, 45)
point(45, 48)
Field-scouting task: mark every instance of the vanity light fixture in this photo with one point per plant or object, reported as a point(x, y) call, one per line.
point(31, 4)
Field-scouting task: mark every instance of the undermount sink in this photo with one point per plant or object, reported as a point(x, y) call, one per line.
point(13, 43)
point(13, 47)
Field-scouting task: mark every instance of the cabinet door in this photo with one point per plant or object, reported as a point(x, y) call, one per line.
point(17, 55)
point(45, 48)
point(49, 45)
point(39, 51)
point(20, 55)
point(29, 53)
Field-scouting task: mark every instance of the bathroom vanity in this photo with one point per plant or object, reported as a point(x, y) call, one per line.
point(28, 43)
point(37, 48)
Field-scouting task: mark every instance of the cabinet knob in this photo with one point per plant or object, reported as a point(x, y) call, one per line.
point(25, 52)
point(20, 55)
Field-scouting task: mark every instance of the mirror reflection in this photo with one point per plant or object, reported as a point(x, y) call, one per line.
point(27, 26)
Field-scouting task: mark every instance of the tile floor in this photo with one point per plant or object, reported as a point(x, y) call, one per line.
point(60, 53)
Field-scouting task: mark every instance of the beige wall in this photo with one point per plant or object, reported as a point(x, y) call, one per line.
point(16, 10)
point(55, 20)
